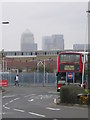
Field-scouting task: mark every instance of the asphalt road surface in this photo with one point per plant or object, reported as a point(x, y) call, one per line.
point(37, 102)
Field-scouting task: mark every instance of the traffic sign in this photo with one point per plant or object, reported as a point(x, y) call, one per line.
point(70, 75)
point(4, 83)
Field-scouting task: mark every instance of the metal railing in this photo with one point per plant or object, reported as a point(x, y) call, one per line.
point(49, 79)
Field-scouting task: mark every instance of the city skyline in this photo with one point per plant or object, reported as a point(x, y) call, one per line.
point(27, 41)
point(44, 19)
point(53, 42)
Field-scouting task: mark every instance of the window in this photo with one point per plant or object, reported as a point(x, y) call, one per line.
point(69, 58)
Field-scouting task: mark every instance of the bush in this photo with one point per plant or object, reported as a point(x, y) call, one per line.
point(2, 89)
point(68, 93)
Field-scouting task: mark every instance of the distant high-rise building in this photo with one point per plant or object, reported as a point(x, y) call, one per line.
point(80, 46)
point(54, 42)
point(46, 41)
point(27, 41)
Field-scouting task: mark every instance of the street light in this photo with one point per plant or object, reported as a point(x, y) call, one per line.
point(40, 62)
point(84, 61)
point(5, 22)
point(88, 43)
point(88, 11)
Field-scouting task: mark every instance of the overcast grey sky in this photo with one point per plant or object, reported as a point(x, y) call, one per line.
point(42, 19)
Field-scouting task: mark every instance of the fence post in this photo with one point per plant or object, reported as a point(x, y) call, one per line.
point(47, 78)
point(22, 78)
point(10, 78)
point(34, 78)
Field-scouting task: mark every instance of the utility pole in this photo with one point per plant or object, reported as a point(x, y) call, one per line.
point(84, 53)
point(4, 23)
point(88, 12)
point(44, 74)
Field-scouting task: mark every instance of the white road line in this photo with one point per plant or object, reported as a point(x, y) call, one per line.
point(19, 110)
point(3, 105)
point(29, 95)
point(6, 107)
point(16, 98)
point(36, 114)
point(11, 101)
point(2, 113)
point(6, 103)
point(52, 108)
point(31, 100)
point(8, 96)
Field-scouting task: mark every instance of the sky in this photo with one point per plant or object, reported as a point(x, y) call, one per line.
point(43, 19)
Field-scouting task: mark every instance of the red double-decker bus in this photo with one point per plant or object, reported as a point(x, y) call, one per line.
point(70, 65)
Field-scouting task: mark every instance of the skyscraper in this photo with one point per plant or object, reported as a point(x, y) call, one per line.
point(80, 46)
point(54, 42)
point(27, 41)
point(46, 42)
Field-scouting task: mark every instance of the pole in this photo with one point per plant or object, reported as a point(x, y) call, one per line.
point(66, 77)
point(57, 62)
point(6, 64)
point(73, 77)
point(83, 70)
point(34, 78)
point(37, 72)
point(3, 64)
point(44, 74)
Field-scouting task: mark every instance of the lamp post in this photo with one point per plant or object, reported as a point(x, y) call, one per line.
point(2, 60)
point(88, 12)
point(84, 57)
point(40, 62)
point(4, 23)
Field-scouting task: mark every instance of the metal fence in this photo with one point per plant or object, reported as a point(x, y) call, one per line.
point(31, 79)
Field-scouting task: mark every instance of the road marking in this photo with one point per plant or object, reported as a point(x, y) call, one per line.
point(11, 101)
point(6, 107)
point(3, 105)
point(52, 108)
point(16, 98)
point(19, 110)
point(31, 100)
point(52, 92)
point(43, 96)
point(2, 113)
point(6, 103)
point(37, 114)
point(8, 96)
point(29, 95)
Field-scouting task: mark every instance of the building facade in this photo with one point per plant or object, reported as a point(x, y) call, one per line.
point(27, 41)
point(27, 61)
point(80, 46)
point(54, 42)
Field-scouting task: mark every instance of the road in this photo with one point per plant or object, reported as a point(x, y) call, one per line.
point(37, 102)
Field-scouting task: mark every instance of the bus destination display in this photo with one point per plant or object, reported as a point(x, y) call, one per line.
point(69, 67)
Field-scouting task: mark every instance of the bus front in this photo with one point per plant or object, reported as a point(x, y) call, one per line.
point(69, 63)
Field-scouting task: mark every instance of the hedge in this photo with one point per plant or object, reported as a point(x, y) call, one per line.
point(68, 93)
